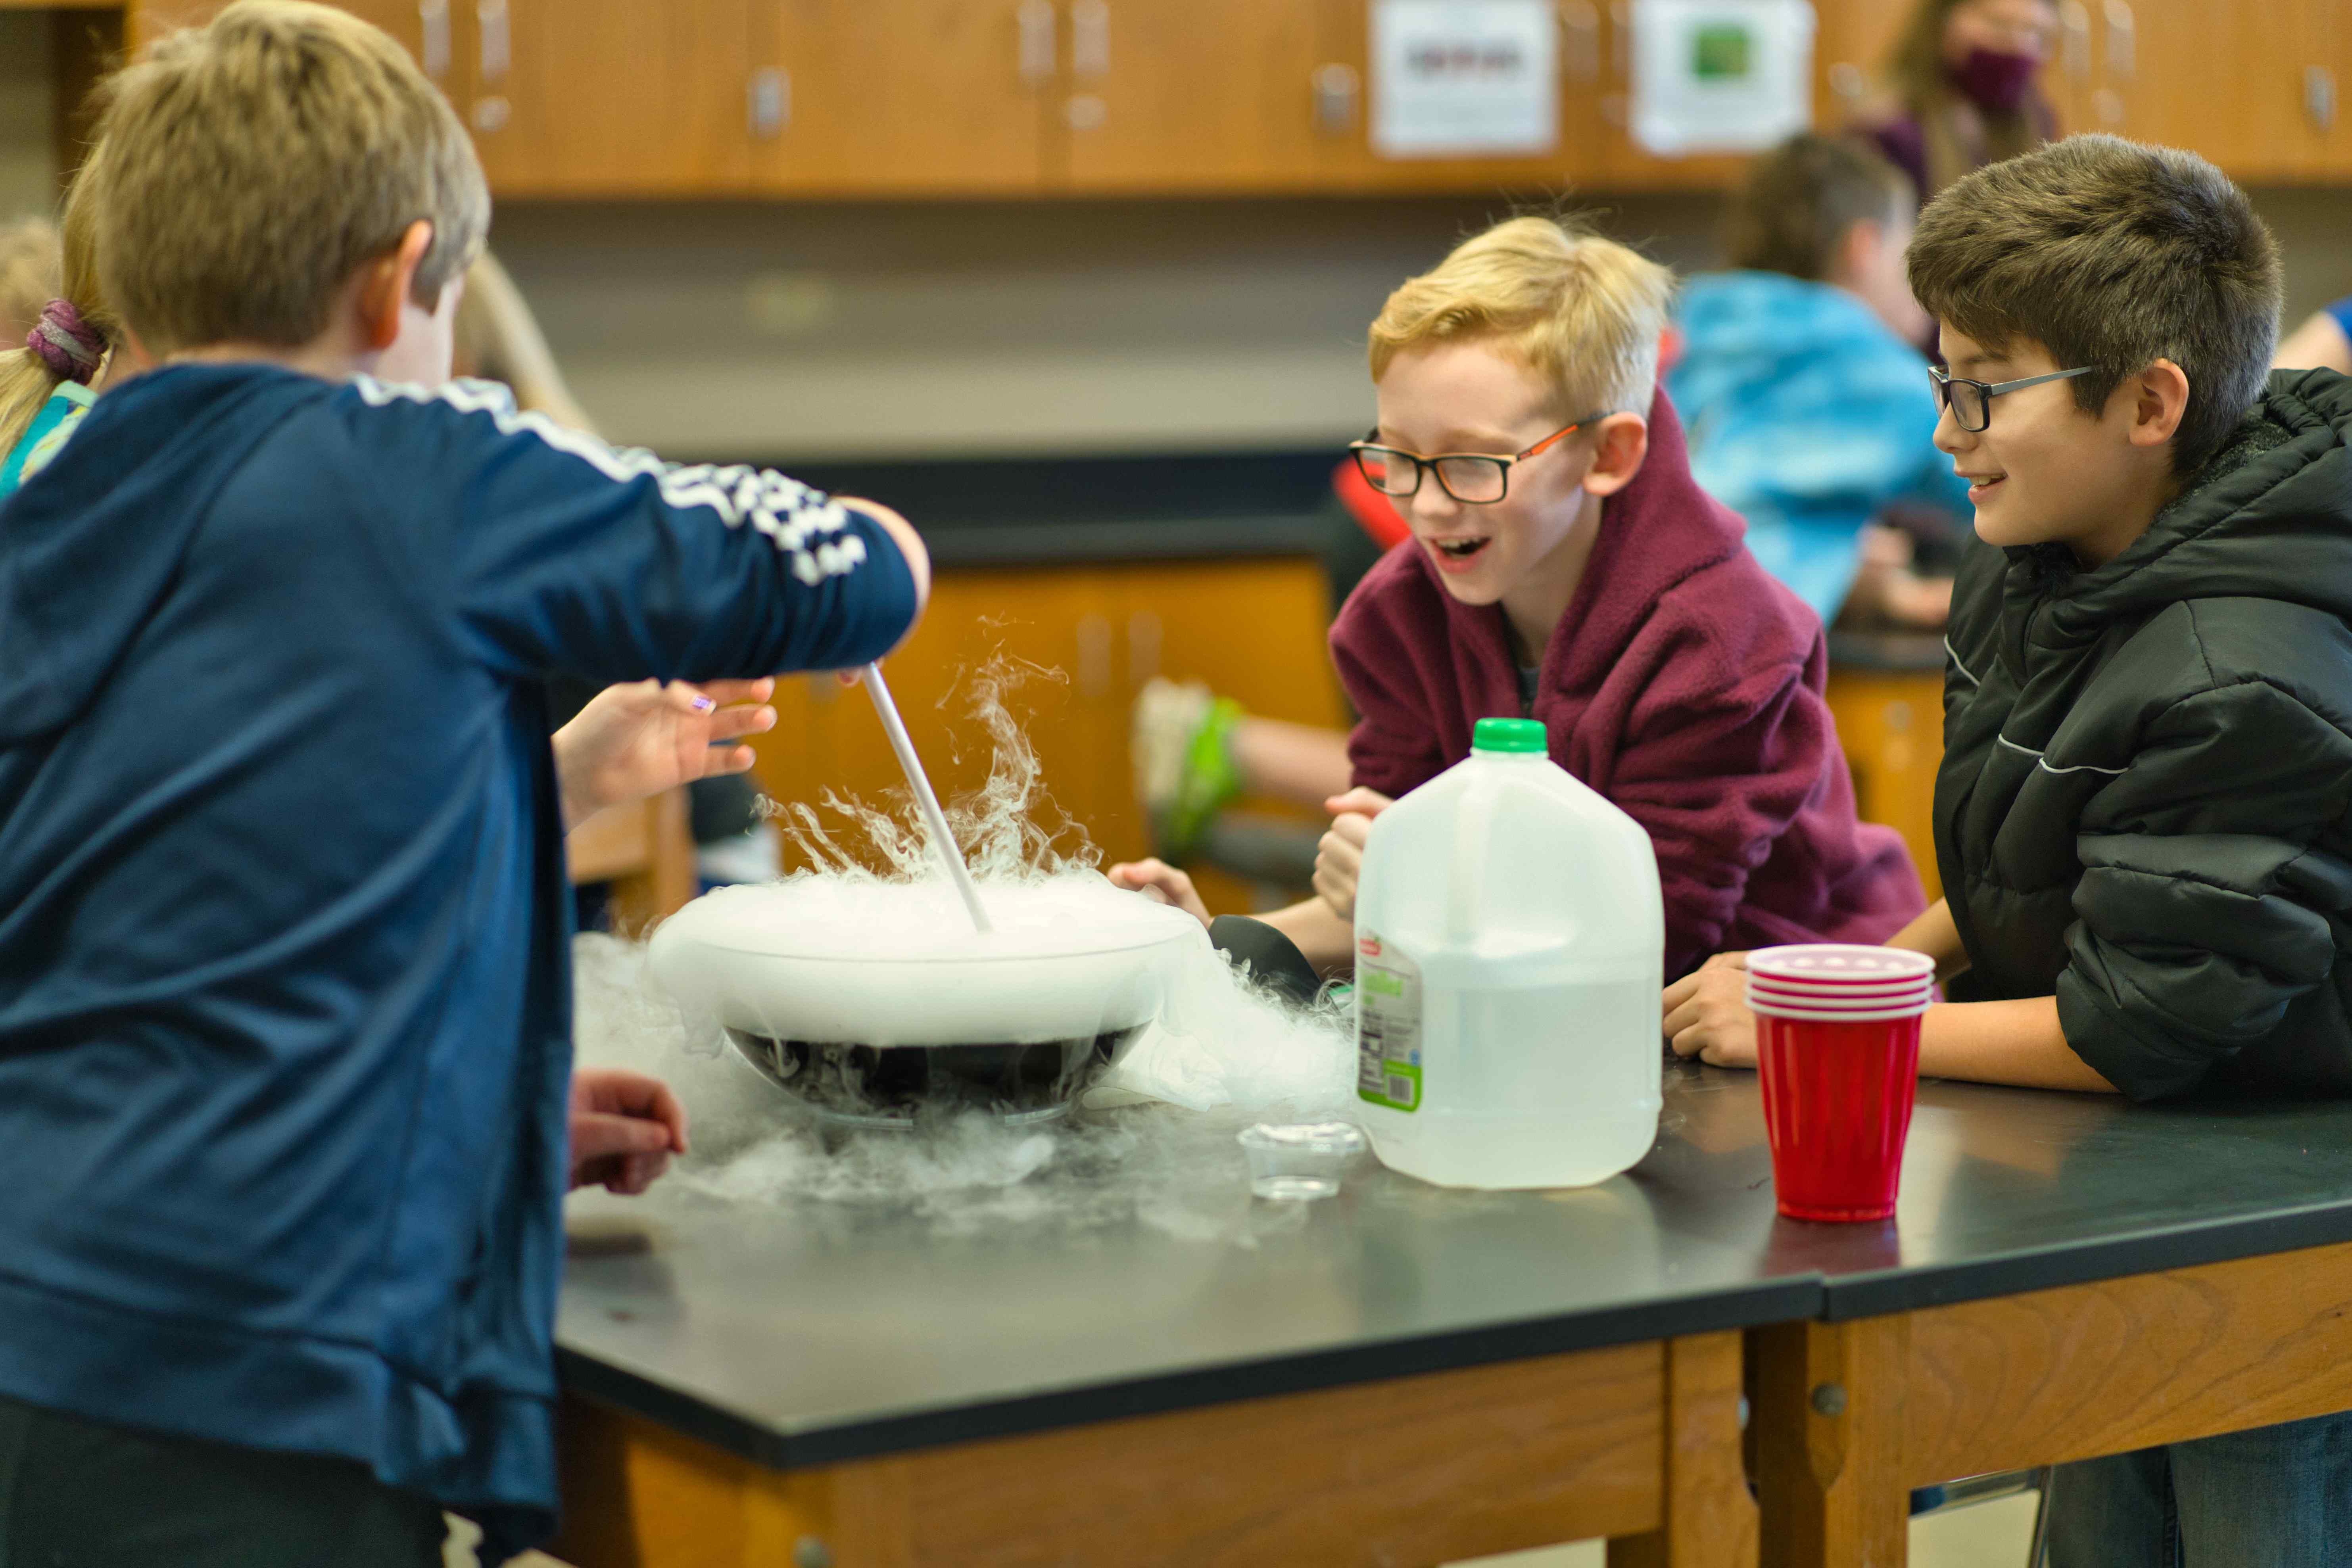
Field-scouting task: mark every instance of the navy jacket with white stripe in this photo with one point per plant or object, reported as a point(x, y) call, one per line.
point(284, 986)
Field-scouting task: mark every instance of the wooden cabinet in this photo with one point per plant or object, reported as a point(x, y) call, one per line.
point(966, 98)
point(602, 98)
point(901, 97)
point(1080, 641)
point(1890, 725)
point(1199, 95)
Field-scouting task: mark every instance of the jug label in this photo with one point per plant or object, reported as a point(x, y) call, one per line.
point(1388, 1026)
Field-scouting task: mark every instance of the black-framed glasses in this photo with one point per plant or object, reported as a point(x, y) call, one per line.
point(1474, 479)
point(1971, 401)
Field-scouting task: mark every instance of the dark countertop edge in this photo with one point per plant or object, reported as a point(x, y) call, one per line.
point(1880, 1291)
point(1089, 544)
point(1789, 1300)
point(1888, 651)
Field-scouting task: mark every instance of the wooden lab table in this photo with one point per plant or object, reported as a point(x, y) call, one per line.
point(2067, 1276)
point(1398, 1375)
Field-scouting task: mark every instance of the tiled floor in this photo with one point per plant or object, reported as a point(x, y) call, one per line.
point(1988, 1535)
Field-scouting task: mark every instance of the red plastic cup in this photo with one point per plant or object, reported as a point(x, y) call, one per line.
point(1840, 1069)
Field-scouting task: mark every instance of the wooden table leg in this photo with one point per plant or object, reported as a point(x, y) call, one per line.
point(1830, 1443)
point(1710, 1517)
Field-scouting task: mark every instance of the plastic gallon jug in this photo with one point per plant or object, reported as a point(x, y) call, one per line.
point(1510, 948)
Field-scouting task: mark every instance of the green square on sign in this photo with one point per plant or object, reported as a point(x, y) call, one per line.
point(1720, 51)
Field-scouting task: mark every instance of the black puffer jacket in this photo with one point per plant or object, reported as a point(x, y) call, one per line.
point(2146, 799)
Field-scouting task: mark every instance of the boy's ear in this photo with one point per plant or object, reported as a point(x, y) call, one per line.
point(1855, 249)
point(1621, 441)
point(386, 283)
point(2160, 397)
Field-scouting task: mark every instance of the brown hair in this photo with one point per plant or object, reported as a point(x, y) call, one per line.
point(1916, 72)
point(1583, 312)
point(29, 275)
point(2113, 254)
point(1800, 199)
point(261, 160)
point(26, 380)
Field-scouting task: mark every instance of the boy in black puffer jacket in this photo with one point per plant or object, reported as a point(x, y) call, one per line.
point(2144, 815)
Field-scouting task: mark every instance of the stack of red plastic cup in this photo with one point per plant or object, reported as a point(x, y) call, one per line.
point(1837, 1045)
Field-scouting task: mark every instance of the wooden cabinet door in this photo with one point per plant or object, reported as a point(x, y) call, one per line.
point(1625, 163)
point(904, 96)
point(1853, 42)
point(610, 97)
point(1176, 95)
point(1348, 161)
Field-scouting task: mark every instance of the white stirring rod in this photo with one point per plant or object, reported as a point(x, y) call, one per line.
point(933, 818)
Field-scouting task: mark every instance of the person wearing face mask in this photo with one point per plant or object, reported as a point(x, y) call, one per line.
point(1801, 389)
point(1962, 89)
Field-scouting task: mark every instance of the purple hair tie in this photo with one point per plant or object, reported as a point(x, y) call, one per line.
point(69, 345)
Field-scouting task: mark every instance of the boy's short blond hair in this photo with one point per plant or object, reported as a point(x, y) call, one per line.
point(260, 161)
point(1582, 311)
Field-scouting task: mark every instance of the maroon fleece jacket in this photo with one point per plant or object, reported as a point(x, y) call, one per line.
point(1684, 683)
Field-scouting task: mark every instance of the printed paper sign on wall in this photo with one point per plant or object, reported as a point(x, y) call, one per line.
point(1463, 78)
point(1721, 76)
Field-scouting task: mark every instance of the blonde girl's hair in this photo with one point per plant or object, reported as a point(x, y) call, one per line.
point(1582, 311)
point(498, 338)
point(29, 275)
point(26, 380)
point(262, 159)
point(1916, 74)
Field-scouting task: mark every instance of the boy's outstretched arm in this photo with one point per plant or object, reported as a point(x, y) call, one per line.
point(2017, 1042)
point(552, 552)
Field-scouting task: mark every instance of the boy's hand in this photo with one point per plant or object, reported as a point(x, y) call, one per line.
point(1159, 880)
point(1707, 1014)
point(625, 1128)
point(1339, 858)
point(642, 738)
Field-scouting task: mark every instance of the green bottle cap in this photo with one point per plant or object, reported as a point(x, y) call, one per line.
point(1515, 735)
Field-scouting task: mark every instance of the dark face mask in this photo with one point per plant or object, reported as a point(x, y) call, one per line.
point(1994, 81)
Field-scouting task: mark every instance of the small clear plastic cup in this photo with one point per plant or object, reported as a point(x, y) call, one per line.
point(1298, 1161)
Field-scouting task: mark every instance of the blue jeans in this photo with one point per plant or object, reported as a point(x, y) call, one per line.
point(2277, 1497)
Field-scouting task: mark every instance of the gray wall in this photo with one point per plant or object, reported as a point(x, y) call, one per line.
point(818, 332)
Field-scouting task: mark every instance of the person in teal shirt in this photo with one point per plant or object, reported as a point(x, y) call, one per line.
point(1807, 407)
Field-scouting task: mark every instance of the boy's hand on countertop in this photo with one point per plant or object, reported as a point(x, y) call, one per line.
point(625, 1128)
point(642, 738)
point(1339, 858)
point(1159, 880)
point(1707, 1014)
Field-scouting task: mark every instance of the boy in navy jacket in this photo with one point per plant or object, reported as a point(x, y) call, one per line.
point(284, 1020)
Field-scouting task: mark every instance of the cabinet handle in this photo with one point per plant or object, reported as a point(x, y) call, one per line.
point(1094, 656)
point(1085, 112)
point(1579, 33)
point(2319, 96)
point(1142, 648)
point(498, 47)
point(1036, 21)
point(491, 114)
point(2074, 46)
point(2123, 40)
point(770, 102)
point(1336, 87)
point(433, 28)
point(1090, 37)
point(1847, 83)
